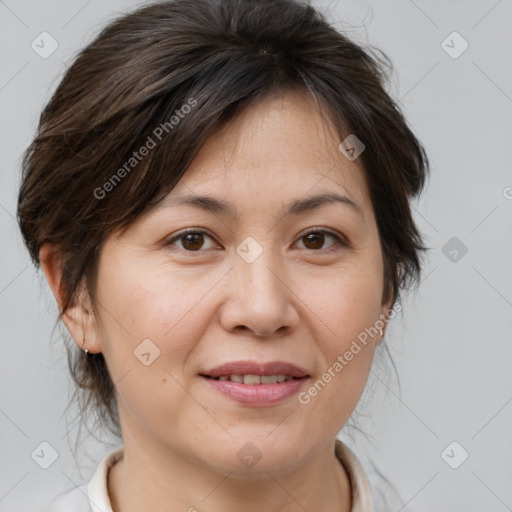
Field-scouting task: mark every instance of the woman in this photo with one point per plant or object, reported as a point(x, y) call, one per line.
point(218, 195)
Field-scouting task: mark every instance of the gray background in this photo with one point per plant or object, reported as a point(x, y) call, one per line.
point(452, 346)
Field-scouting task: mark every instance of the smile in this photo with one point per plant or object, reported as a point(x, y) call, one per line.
point(255, 379)
point(256, 390)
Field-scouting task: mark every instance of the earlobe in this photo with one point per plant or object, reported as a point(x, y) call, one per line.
point(387, 313)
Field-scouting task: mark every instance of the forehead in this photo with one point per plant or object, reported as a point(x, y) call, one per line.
point(277, 144)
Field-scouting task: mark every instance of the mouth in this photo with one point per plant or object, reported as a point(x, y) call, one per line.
point(256, 384)
point(252, 372)
point(254, 380)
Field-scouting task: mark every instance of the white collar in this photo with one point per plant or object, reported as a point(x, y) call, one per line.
point(99, 500)
point(97, 489)
point(359, 485)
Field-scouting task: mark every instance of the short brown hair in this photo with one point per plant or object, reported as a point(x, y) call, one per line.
point(215, 56)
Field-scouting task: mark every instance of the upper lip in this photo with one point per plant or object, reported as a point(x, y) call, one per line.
point(255, 368)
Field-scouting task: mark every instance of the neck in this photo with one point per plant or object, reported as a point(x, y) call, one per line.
point(143, 480)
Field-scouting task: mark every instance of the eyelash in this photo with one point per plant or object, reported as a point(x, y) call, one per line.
point(340, 242)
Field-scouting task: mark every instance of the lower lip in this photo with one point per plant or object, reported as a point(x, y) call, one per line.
point(257, 394)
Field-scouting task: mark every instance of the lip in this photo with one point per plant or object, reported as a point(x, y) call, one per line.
point(255, 368)
point(257, 395)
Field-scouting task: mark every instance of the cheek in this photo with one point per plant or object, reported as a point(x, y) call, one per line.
point(149, 328)
point(347, 306)
point(348, 303)
point(150, 300)
point(150, 323)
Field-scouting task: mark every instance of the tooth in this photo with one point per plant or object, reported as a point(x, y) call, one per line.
point(268, 379)
point(252, 379)
point(236, 378)
point(281, 378)
point(224, 377)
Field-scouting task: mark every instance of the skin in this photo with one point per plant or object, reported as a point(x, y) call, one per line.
point(300, 301)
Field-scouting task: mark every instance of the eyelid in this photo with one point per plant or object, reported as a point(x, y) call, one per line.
point(186, 231)
point(340, 240)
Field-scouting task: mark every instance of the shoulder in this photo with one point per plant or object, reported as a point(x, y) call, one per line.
point(371, 491)
point(360, 487)
point(91, 496)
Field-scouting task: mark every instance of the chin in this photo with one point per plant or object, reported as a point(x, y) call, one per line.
point(253, 454)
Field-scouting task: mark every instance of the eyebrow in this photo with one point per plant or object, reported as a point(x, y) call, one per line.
point(296, 207)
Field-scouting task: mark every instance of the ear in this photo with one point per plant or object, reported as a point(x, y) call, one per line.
point(385, 316)
point(78, 318)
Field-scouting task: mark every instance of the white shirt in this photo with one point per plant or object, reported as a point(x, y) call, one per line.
point(94, 496)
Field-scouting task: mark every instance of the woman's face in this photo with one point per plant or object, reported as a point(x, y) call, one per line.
point(250, 288)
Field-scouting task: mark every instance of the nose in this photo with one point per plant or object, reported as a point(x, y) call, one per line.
point(259, 301)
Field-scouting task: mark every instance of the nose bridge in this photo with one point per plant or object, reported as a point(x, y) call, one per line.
point(256, 262)
point(262, 300)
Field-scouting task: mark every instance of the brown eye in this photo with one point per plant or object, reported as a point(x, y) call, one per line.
point(192, 240)
point(314, 240)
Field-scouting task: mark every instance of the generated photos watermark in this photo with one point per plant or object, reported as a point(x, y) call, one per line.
point(151, 142)
point(344, 359)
